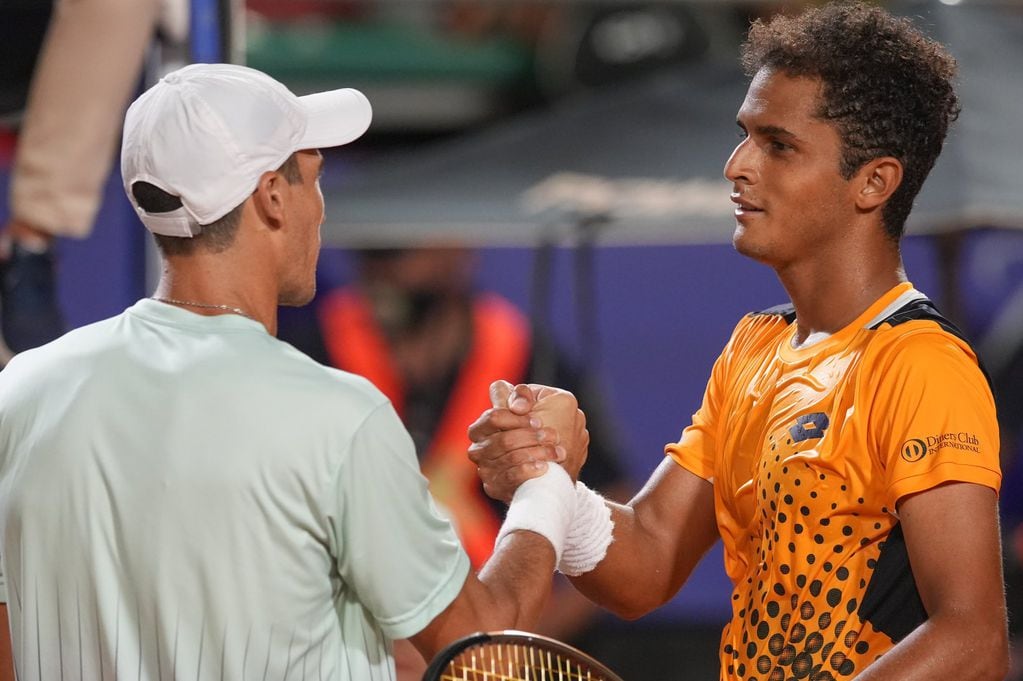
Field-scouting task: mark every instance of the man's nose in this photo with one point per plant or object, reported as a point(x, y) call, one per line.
point(738, 167)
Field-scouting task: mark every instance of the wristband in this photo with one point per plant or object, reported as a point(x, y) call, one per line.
point(544, 505)
point(590, 533)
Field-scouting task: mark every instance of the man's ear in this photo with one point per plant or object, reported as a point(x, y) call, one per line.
point(877, 180)
point(268, 199)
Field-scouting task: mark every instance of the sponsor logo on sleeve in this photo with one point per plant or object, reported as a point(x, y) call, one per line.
point(917, 448)
point(914, 450)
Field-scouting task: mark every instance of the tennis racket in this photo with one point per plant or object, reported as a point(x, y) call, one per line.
point(514, 656)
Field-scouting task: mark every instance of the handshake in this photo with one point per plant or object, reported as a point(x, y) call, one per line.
point(528, 449)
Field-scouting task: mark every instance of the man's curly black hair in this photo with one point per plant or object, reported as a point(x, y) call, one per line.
point(886, 86)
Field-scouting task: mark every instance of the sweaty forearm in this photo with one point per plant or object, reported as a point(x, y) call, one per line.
point(508, 593)
point(639, 572)
point(517, 577)
point(516, 587)
point(658, 538)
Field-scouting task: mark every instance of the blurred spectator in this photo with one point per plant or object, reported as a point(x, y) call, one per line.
point(88, 67)
point(414, 325)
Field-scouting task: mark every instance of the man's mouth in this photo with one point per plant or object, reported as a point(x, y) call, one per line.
point(743, 205)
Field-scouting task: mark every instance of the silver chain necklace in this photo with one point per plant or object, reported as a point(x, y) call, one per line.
point(206, 306)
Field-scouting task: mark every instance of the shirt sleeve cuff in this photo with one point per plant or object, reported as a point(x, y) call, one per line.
point(944, 473)
point(692, 464)
point(413, 622)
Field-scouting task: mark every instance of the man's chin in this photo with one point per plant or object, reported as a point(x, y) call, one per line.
point(296, 298)
point(741, 242)
point(744, 245)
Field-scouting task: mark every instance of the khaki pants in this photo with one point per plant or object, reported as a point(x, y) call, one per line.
point(90, 63)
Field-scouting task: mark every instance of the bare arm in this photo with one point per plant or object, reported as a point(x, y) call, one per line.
point(508, 593)
point(659, 537)
point(954, 550)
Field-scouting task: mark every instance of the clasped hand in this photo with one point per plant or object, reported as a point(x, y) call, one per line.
point(527, 427)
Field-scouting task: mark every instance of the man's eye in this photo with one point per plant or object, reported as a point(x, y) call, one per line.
point(779, 146)
point(741, 134)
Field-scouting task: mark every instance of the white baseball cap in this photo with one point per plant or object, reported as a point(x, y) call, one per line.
point(207, 132)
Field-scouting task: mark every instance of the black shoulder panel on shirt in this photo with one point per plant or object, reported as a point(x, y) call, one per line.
point(921, 309)
point(924, 309)
point(787, 311)
point(891, 602)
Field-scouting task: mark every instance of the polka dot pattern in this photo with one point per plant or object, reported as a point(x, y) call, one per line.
point(815, 545)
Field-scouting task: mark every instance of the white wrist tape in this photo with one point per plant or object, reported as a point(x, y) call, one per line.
point(590, 533)
point(544, 505)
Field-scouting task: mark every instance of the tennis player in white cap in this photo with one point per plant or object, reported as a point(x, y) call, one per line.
point(184, 496)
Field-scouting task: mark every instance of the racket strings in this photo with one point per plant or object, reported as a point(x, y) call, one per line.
point(516, 662)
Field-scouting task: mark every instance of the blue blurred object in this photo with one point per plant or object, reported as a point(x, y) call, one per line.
point(206, 31)
point(29, 309)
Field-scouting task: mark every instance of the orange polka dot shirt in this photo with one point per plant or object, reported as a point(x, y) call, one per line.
point(809, 451)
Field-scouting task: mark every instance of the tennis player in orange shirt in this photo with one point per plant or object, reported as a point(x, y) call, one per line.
point(846, 450)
